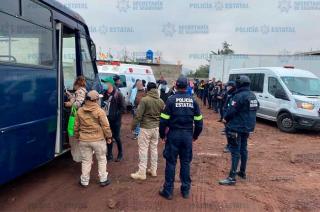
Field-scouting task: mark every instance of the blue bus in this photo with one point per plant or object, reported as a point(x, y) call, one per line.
point(44, 46)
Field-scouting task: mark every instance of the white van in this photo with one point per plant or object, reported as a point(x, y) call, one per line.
point(288, 96)
point(128, 73)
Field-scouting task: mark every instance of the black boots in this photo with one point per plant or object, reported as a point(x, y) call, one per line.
point(109, 157)
point(242, 175)
point(164, 195)
point(105, 183)
point(119, 158)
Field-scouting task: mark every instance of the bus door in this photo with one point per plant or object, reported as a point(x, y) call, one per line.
point(76, 57)
point(88, 64)
point(67, 73)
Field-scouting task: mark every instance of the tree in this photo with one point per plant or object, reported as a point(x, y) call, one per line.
point(225, 49)
point(201, 72)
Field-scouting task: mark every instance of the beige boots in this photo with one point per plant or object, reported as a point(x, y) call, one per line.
point(152, 173)
point(142, 176)
point(139, 176)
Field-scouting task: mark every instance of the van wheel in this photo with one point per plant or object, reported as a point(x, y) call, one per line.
point(286, 123)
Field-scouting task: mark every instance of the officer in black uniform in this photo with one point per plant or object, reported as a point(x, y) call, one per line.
point(181, 113)
point(231, 89)
point(241, 121)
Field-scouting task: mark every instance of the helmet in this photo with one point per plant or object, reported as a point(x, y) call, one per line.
point(231, 83)
point(242, 81)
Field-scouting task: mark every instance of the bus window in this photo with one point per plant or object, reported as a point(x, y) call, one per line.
point(86, 61)
point(10, 6)
point(36, 13)
point(24, 43)
point(69, 63)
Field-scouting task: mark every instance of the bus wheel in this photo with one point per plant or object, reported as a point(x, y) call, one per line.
point(285, 123)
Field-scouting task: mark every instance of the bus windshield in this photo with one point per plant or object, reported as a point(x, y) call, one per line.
point(302, 85)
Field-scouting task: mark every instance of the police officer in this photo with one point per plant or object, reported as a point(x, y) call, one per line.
point(231, 89)
point(180, 114)
point(241, 120)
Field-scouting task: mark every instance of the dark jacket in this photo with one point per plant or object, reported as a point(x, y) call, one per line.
point(117, 105)
point(241, 115)
point(181, 112)
point(164, 96)
point(221, 96)
point(206, 89)
point(211, 87)
point(227, 103)
point(148, 112)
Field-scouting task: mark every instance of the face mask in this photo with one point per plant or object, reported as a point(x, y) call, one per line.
point(105, 87)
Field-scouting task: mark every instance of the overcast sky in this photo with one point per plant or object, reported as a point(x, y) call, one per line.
point(187, 30)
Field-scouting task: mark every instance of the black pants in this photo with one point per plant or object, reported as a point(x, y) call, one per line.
point(215, 103)
point(205, 98)
point(179, 143)
point(221, 108)
point(115, 128)
point(238, 147)
point(210, 100)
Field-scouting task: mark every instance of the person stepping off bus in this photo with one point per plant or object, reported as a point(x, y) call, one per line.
point(92, 130)
point(148, 116)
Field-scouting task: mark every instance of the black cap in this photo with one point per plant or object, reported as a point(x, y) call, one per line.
point(116, 77)
point(151, 85)
point(182, 82)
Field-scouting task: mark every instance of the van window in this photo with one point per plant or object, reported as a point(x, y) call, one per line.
point(274, 85)
point(24, 43)
point(122, 78)
point(302, 85)
point(36, 13)
point(257, 81)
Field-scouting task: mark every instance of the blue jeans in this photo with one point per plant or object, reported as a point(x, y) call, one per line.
point(238, 147)
point(137, 129)
point(179, 143)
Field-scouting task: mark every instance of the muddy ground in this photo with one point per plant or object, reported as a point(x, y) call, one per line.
point(283, 175)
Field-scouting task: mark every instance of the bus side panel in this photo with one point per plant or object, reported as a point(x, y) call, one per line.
point(28, 119)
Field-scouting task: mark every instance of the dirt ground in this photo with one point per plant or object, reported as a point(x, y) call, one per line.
point(283, 175)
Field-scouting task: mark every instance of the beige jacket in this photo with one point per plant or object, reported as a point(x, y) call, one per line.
point(91, 123)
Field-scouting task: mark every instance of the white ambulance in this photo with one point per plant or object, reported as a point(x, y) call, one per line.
point(128, 73)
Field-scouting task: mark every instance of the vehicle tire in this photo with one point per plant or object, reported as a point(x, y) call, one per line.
point(285, 123)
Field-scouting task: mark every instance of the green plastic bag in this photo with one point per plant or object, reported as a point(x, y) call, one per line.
point(72, 120)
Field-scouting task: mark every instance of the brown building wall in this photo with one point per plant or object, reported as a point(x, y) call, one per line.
point(168, 71)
